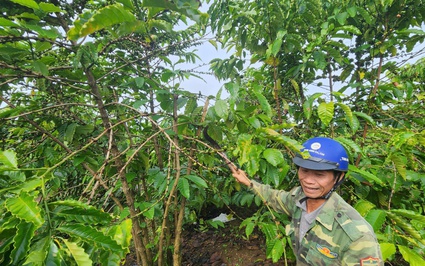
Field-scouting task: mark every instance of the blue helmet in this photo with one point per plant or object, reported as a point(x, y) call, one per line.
point(325, 154)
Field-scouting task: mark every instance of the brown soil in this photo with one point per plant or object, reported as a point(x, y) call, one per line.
point(226, 246)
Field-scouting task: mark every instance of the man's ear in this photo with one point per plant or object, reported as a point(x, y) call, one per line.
point(338, 176)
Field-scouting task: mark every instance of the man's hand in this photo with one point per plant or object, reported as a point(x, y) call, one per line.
point(240, 176)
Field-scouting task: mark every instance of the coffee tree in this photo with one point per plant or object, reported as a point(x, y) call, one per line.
point(337, 69)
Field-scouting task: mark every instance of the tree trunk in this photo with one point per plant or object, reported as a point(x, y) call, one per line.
point(142, 253)
point(177, 256)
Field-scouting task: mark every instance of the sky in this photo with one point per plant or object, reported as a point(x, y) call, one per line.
point(209, 85)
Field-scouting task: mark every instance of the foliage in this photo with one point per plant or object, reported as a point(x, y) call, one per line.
point(89, 96)
point(371, 104)
point(36, 230)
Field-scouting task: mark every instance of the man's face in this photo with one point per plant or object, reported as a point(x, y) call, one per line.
point(316, 183)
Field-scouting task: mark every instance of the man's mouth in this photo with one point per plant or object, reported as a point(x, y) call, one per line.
point(310, 189)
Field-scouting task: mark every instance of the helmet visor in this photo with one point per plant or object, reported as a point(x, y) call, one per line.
point(314, 163)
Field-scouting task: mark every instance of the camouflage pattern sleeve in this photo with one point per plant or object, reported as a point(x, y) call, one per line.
point(279, 200)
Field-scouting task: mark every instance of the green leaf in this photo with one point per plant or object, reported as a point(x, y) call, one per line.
point(70, 131)
point(39, 251)
point(49, 8)
point(8, 158)
point(160, 25)
point(365, 14)
point(85, 216)
point(127, 3)
point(326, 112)
point(40, 68)
point(265, 105)
point(22, 241)
point(25, 208)
point(342, 18)
point(349, 28)
point(409, 214)
point(7, 23)
point(308, 104)
point(253, 166)
point(28, 3)
point(288, 142)
point(6, 237)
point(140, 82)
point(349, 144)
point(411, 31)
point(352, 120)
point(78, 253)
point(8, 222)
point(277, 250)
point(121, 233)
point(376, 219)
point(352, 11)
point(73, 210)
point(412, 257)
point(91, 236)
point(53, 255)
point(185, 7)
point(274, 48)
point(400, 163)
point(247, 199)
point(190, 106)
point(388, 250)
point(184, 188)
point(269, 247)
point(399, 139)
point(249, 224)
point(214, 43)
point(103, 18)
point(320, 59)
point(72, 203)
point(197, 180)
point(366, 175)
point(147, 209)
point(249, 229)
point(7, 111)
point(407, 227)
point(295, 85)
point(365, 117)
point(363, 207)
point(26, 185)
point(273, 156)
point(84, 129)
point(221, 109)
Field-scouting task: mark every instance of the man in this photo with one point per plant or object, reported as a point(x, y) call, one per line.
point(324, 229)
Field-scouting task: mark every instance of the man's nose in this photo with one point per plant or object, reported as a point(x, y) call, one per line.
point(309, 178)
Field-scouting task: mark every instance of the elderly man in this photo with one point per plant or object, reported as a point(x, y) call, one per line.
point(324, 230)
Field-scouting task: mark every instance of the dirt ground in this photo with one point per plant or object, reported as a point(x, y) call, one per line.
point(221, 247)
point(224, 247)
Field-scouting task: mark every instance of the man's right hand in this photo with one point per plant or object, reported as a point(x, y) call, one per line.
point(240, 176)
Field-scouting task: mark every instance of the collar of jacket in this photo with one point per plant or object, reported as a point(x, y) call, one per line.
point(330, 211)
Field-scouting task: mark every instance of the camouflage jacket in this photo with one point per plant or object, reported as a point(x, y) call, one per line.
point(338, 236)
